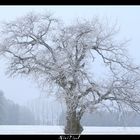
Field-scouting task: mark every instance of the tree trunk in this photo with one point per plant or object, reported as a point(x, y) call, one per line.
point(73, 125)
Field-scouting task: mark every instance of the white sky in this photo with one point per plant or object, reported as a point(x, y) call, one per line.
point(128, 17)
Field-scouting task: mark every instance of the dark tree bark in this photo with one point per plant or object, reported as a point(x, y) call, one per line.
point(73, 125)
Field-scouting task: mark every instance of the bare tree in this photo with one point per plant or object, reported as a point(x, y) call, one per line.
point(38, 45)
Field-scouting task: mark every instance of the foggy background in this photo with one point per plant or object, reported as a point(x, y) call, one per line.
point(23, 91)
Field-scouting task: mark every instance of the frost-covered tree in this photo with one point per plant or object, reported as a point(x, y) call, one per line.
point(39, 46)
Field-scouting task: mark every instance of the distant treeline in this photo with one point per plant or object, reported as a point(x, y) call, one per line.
point(104, 118)
point(14, 114)
point(49, 112)
point(46, 112)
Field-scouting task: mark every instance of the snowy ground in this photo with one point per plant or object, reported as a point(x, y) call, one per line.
point(40, 129)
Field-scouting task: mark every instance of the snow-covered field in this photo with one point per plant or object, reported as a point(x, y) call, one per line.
point(40, 129)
